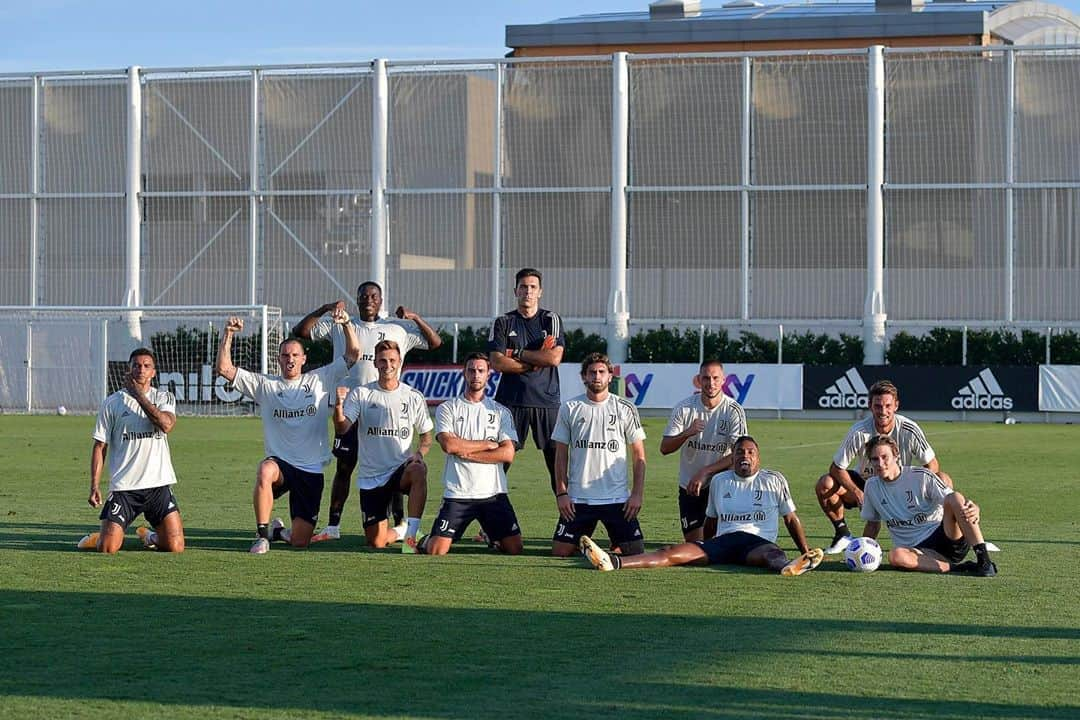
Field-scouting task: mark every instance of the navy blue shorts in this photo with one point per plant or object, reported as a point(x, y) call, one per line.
point(123, 506)
point(304, 488)
point(860, 483)
point(692, 509)
point(586, 517)
point(346, 447)
point(952, 550)
point(495, 515)
point(375, 503)
point(731, 548)
point(541, 420)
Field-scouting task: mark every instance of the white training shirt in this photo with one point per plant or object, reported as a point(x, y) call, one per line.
point(370, 334)
point(388, 420)
point(295, 412)
point(911, 506)
point(484, 420)
point(598, 434)
point(723, 424)
point(138, 451)
point(914, 447)
point(753, 505)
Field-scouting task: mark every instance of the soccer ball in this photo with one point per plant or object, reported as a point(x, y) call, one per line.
point(61, 410)
point(863, 555)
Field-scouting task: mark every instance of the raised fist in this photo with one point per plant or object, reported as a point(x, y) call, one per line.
point(234, 325)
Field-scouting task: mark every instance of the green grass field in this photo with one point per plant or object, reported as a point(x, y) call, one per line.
point(341, 631)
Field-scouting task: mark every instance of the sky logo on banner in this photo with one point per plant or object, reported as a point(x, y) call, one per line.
point(737, 389)
point(631, 386)
point(847, 391)
point(983, 392)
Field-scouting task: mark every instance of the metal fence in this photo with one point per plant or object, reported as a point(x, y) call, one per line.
point(866, 186)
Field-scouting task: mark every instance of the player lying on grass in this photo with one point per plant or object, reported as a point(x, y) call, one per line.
point(931, 525)
point(477, 435)
point(295, 407)
point(132, 430)
point(741, 521)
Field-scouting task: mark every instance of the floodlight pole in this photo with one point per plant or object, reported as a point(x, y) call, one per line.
point(133, 186)
point(379, 132)
point(874, 308)
point(618, 315)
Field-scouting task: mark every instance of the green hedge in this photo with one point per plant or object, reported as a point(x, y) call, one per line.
point(939, 346)
point(944, 346)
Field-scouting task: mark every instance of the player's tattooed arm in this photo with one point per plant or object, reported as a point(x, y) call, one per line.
point(164, 421)
point(97, 462)
point(795, 530)
point(871, 529)
point(225, 366)
point(431, 336)
point(303, 328)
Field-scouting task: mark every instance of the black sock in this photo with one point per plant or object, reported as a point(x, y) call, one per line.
point(335, 517)
point(980, 553)
point(841, 528)
point(275, 534)
point(263, 530)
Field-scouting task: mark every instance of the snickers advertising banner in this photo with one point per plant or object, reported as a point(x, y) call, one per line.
point(975, 388)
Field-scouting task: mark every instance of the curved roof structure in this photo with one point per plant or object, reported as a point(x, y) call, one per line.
point(747, 22)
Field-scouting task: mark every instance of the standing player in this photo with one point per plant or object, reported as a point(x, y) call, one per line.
point(591, 438)
point(295, 407)
point(477, 435)
point(704, 426)
point(745, 505)
point(371, 331)
point(132, 430)
point(385, 415)
point(526, 346)
point(932, 526)
point(842, 487)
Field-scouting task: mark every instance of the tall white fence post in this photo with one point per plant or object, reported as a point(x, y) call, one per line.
point(618, 315)
point(380, 118)
point(874, 307)
point(132, 212)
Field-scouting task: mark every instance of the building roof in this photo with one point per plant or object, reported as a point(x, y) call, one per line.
point(1025, 22)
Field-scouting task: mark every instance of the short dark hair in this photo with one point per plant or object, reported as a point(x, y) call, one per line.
point(884, 387)
point(745, 439)
point(387, 345)
point(293, 339)
point(143, 352)
point(708, 362)
point(593, 358)
point(528, 272)
point(477, 356)
point(368, 283)
point(881, 440)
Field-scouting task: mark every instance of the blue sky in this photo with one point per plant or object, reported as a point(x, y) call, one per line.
point(107, 34)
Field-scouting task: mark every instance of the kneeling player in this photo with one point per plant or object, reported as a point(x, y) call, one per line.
point(477, 435)
point(931, 525)
point(592, 434)
point(134, 424)
point(294, 407)
point(389, 414)
point(741, 520)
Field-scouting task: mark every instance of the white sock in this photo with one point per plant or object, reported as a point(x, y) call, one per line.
point(401, 530)
point(412, 527)
point(286, 534)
